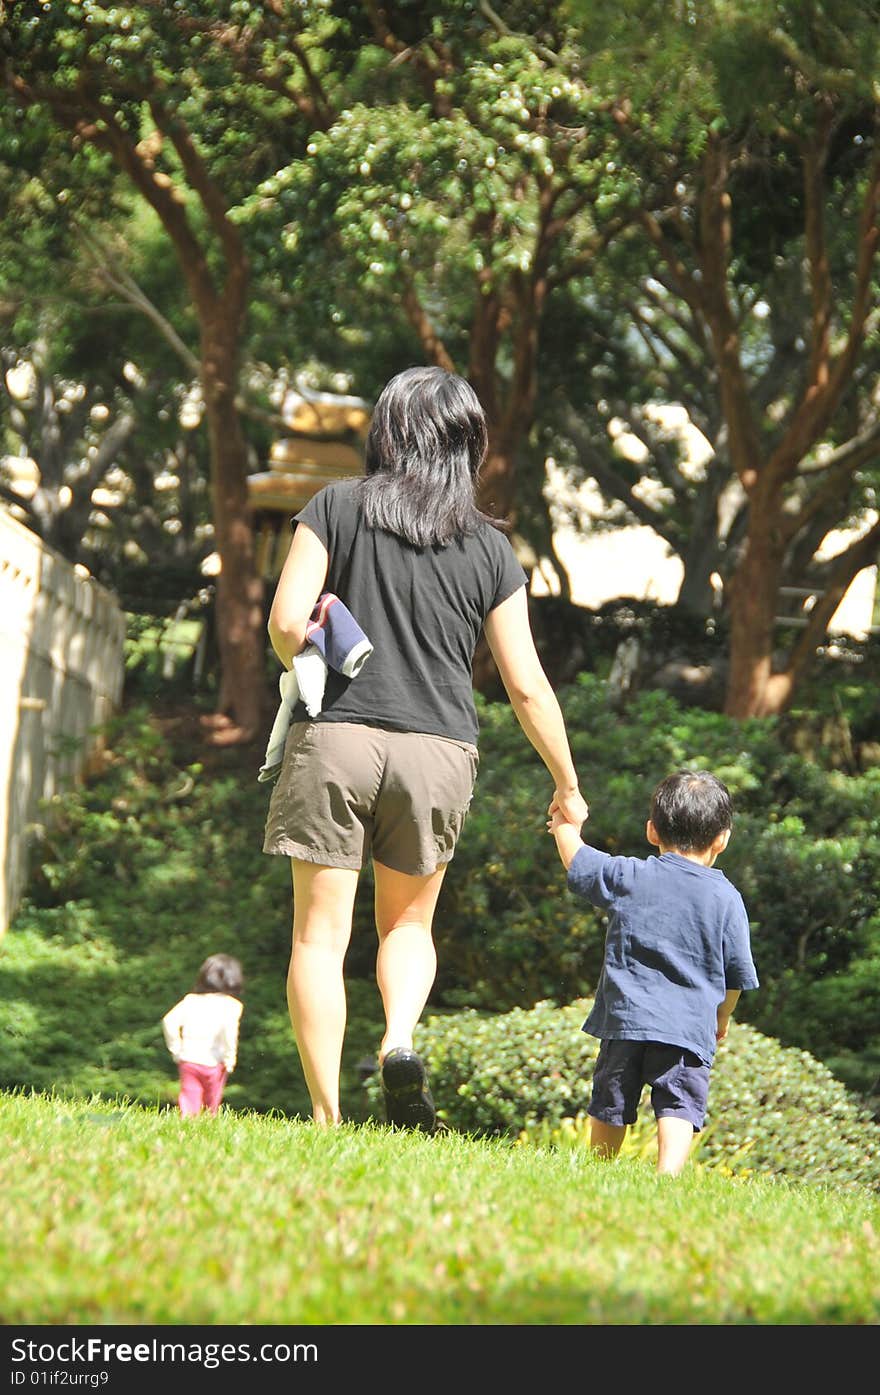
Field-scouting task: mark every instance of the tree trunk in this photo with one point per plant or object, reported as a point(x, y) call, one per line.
point(243, 696)
point(696, 594)
point(497, 487)
point(752, 592)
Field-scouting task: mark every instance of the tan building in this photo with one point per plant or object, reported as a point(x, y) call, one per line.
point(327, 434)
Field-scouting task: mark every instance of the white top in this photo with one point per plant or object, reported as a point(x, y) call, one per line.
point(203, 1028)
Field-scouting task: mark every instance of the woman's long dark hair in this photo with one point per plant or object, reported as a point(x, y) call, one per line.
point(426, 444)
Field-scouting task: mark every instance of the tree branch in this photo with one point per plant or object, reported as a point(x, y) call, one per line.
point(714, 254)
point(119, 280)
point(587, 255)
point(506, 32)
point(650, 330)
point(838, 468)
point(211, 199)
point(664, 462)
point(160, 194)
point(612, 483)
point(688, 287)
point(420, 320)
point(844, 568)
point(441, 102)
point(814, 162)
point(694, 329)
point(819, 403)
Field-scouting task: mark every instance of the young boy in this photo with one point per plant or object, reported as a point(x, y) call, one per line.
point(677, 956)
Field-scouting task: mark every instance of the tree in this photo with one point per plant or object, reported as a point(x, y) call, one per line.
point(755, 128)
point(188, 107)
point(468, 179)
point(94, 401)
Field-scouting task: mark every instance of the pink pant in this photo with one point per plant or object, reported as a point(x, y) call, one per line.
point(200, 1087)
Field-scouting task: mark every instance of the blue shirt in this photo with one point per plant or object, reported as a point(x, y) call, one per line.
point(677, 940)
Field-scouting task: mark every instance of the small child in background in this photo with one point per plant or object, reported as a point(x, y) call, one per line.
point(677, 956)
point(201, 1032)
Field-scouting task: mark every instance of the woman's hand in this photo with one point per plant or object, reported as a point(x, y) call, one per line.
point(571, 805)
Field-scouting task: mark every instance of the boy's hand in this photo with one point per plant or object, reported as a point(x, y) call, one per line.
point(721, 1028)
point(567, 835)
point(571, 804)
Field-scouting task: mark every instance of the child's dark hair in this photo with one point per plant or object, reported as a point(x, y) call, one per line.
point(220, 973)
point(689, 809)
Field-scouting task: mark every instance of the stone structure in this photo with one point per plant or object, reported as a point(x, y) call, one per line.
point(61, 656)
point(326, 440)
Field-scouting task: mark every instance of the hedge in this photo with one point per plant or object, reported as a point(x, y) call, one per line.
point(772, 1109)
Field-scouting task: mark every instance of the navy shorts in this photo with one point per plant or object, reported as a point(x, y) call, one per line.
point(679, 1082)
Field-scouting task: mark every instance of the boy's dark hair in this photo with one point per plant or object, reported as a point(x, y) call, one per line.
point(689, 809)
point(220, 973)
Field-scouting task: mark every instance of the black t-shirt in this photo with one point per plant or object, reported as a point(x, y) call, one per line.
point(422, 608)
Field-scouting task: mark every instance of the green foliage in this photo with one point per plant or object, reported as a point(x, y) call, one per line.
point(771, 1109)
point(805, 853)
point(429, 193)
point(137, 877)
point(686, 62)
point(452, 183)
point(156, 862)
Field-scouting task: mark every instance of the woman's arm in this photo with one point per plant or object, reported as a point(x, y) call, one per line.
point(509, 636)
point(299, 586)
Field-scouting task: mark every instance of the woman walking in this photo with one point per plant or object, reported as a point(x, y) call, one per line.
point(385, 770)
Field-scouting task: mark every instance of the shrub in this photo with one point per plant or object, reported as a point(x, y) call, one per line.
point(805, 853)
point(771, 1108)
point(138, 876)
point(157, 861)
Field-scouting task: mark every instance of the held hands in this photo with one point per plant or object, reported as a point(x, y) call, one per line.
point(566, 832)
point(570, 805)
point(558, 820)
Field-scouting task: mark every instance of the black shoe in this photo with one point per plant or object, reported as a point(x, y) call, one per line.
point(408, 1100)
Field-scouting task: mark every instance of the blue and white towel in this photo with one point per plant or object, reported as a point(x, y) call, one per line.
point(334, 639)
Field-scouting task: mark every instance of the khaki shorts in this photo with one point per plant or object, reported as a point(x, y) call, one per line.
point(348, 792)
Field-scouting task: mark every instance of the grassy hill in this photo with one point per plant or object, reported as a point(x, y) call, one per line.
point(118, 1214)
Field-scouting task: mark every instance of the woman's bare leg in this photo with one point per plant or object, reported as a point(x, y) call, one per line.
point(323, 905)
point(406, 962)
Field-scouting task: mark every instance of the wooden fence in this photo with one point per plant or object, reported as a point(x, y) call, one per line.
point(61, 657)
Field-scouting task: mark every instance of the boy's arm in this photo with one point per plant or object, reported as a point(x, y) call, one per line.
point(725, 1012)
point(568, 838)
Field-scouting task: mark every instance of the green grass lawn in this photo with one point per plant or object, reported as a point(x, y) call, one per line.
point(119, 1214)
